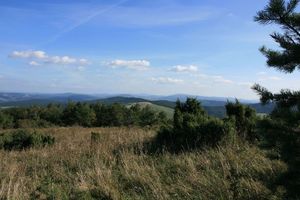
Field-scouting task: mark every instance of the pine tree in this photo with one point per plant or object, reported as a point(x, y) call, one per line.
point(288, 58)
point(282, 130)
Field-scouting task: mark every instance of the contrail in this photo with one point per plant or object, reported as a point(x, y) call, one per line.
point(85, 20)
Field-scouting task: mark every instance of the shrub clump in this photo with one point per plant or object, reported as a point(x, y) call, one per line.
point(244, 119)
point(23, 139)
point(192, 128)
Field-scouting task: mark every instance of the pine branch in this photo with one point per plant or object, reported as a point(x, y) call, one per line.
point(265, 96)
point(285, 99)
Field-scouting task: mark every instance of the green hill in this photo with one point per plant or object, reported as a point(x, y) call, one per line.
point(169, 111)
point(213, 108)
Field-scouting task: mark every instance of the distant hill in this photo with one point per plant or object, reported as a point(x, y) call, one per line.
point(10, 97)
point(169, 111)
point(182, 97)
point(27, 98)
point(119, 99)
point(213, 107)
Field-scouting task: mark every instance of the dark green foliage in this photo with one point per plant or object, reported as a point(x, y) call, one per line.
point(116, 115)
point(53, 113)
point(148, 117)
point(284, 142)
point(23, 139)
point(81, 114)
point(282, 13)
point(287, 59)
point(6, 121)
point(192, 128)
point(244, 119)
point(30, 123)
point(281, 132)
point(188, 114)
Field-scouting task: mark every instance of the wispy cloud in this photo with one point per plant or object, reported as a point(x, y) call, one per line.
point(86, 19)
point(270, 78)
point(81, 68)
point(163, 15)
point(263, 76)
point(209, 79)
point(28, 54)
point(184, 68)
point(214, 78)
point(130, 64)
point(221, 79)
point(34, 63)
point(42, 57)
point(245, 84)
point(167, 80)
point(261, 73)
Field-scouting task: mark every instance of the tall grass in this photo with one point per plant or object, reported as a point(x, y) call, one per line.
point(117, 167)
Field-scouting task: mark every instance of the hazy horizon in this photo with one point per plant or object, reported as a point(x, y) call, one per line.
point(158, 47)
point(136, 95)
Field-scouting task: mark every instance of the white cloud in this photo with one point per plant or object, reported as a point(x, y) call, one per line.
point(183, 68)
point(263, 76)
point(166, 80)
point(130, 64)
point(29, 54)
point(81, 68)
point(199, 84)
point(270, 78)
point(216, 79)
point(42, 57)
point(34, 63)
point(274, 78)
point(221, 79)
point(64, 60)
point(261, 73)
point(203, 76)
point(245, 84)
point(224, 81)
point(84, 61)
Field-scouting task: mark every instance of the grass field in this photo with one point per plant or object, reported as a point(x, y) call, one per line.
point(169, 111)
point(116, 167)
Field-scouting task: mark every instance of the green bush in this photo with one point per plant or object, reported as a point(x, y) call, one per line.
point(244, 119)
point(23, 139)
point(6, 121)
point(192, 128)
point(28, 123)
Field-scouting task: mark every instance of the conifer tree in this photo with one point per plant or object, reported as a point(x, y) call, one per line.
point(282, 129)
point(287, 59)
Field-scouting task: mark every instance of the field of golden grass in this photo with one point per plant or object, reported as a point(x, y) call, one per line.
point(117, 167)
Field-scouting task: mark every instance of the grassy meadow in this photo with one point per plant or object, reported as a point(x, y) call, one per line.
point(117, 166)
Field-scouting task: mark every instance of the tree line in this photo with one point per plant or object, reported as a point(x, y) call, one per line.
point(81, 114)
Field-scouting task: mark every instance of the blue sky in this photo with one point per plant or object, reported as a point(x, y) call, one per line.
point(207, 47)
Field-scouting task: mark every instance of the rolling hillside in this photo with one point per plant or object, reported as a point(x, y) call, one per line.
point(169, 111)
point(213, 107)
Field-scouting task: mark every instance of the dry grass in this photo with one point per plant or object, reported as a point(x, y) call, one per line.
point(117, 168)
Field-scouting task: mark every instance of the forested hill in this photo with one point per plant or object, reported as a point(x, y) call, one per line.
point(213, 107)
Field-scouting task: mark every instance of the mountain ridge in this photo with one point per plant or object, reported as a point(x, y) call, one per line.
point(213, 107)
